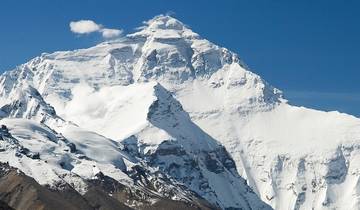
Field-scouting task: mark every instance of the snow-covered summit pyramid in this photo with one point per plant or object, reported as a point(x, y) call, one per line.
point(164, 50)
point(169, 102)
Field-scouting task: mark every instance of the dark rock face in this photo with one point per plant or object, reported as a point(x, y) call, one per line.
point(28, 153)
point(24, 193)
point(72, 147)
point(18, 191)
point(174, 205)
point(4, 206)
point(212, 163)
point(140, 198)
point(99, 199)
point(218, 160)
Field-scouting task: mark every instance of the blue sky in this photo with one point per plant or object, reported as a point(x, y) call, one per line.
point(308, 49)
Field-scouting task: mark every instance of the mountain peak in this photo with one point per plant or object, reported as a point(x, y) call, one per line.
point(165, 50)
point(164, 22)
point(162, 26)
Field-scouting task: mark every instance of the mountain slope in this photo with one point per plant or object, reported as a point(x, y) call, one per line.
point(177, 106)
point(89, 167)
point(67, 155)
point(183, 151)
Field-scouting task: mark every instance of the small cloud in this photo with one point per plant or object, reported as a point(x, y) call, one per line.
point(110, 33)
point(89, 26)
point(84, 26)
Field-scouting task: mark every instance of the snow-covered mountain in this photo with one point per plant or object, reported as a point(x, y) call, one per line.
point(173, 117)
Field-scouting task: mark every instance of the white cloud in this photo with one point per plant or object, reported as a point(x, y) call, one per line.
point(89, 26)
point(110, 33)
point(84, 26)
